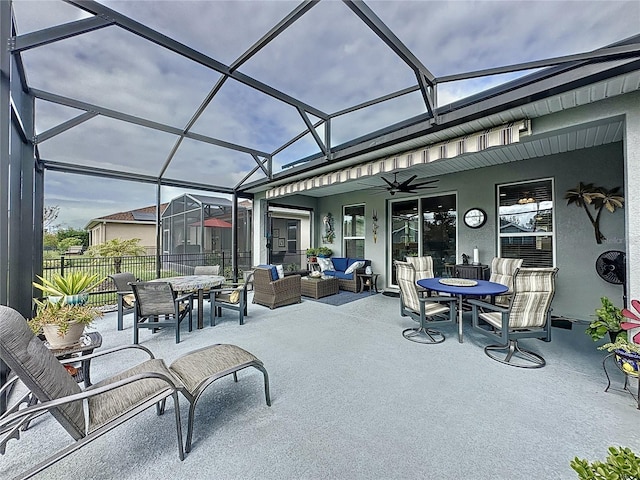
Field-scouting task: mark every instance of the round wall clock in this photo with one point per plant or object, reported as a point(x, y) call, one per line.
point(475, 218)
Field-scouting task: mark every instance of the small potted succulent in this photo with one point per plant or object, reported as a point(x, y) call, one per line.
point(62, 324)
point(627, 352)
point(72, 288)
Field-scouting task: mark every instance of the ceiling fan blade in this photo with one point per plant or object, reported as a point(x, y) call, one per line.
point(388, 182)
point(406, 183)
point(421, 184)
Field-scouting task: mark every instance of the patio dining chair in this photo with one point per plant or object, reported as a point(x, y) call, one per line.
point(232, 296)
point(206, 270)
point(158, 306)
point(91, 413)
point(126, 298)
point(527, 316)
point(424, 269)
point(428, 311)
point(502, 271)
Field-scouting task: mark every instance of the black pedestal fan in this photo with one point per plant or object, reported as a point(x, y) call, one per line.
point(612, 268)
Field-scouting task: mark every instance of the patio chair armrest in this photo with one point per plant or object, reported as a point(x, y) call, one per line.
point(186, 296)
point(487, 306)
point(286, 283)
point(438, 299)
point(101, 353)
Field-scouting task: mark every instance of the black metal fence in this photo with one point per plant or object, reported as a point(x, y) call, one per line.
point(143, 267)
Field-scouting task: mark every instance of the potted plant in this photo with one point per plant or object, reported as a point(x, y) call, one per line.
point(311, 254)
point(71, 288)
point(608, 319)
point(62, 324)
point(627, 354)
point(324, 252)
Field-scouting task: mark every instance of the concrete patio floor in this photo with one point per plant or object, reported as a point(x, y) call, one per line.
point(352, 399)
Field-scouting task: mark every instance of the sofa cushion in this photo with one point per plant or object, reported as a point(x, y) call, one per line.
point(340, 263)
point(325, 264)
point(344, 276)
point(273, 269)
point(354, 266)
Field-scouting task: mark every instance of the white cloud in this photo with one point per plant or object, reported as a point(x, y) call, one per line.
point(328, 59)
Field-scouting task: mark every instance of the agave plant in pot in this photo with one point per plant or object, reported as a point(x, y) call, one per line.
point(72, 288)
point(61, 323)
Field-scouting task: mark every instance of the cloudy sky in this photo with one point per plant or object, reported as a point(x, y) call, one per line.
point(328, 59)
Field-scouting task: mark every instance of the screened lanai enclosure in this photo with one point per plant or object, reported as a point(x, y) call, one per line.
point(325, 107)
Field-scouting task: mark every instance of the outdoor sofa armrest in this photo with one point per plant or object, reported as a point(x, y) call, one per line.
point(286, 283)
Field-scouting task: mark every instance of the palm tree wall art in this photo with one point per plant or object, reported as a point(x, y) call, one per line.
point(587, 195)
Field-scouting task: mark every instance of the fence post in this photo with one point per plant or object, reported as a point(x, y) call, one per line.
point(62, 266)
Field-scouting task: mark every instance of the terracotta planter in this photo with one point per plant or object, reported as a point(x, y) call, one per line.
point(56, 340)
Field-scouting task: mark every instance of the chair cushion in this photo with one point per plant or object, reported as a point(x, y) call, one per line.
point(326, 265)
point(354, 266)
point(129, 299)
point(339, 263)
point(343, 275)
point(110, 405)
point(39, 369)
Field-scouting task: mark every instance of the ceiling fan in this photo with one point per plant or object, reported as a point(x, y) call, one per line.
point(406, 186)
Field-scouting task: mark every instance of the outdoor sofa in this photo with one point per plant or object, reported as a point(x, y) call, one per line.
point(339, 267)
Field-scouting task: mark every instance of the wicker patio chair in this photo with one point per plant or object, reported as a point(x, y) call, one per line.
point(88, 414)
point(428, 311)
point(158, 306)
point(528, 316)
point(275, 293)
point(126, 298)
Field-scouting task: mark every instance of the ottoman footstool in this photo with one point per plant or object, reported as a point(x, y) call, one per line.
point(200, 368)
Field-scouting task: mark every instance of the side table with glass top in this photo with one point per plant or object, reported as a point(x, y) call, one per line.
point(85, 346)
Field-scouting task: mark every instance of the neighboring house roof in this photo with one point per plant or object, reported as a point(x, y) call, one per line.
point(145, 215)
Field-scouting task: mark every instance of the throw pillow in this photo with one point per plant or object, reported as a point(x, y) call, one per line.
point(235, 296)
point(325, 264)
point(354, 266)
point(280, 270)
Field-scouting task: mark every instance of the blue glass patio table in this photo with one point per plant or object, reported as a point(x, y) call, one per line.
point(194, 283)
point(478, 288)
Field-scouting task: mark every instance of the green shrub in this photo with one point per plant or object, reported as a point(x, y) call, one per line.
point(621, 464)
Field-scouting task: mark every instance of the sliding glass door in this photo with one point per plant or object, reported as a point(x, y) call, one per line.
point(424, 226)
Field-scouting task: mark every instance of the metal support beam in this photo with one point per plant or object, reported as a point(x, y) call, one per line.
point(158, 229)
point(609, 53)
point(425, 77)
point(187, 52)
point(88, 107)
point(24, 42)
point(5, 155)
point(254, 170)
point(234, 236)
point(313, 132)
point(63, 127)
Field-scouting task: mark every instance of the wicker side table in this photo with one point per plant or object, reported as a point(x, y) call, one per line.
point(318, 287)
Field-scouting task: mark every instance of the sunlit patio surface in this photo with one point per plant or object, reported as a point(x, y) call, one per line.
point(353, 399)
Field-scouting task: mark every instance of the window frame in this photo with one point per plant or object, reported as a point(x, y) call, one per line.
point(346, 237)
point(536, 234)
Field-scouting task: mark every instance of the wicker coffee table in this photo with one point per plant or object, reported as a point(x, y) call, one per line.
point(318, 287)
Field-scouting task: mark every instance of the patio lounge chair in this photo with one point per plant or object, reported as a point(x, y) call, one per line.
point(527, 316)
point(422, 309)
point(88, 414)
point(126, 298)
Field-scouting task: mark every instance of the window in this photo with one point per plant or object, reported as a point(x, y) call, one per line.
point(353, 231)
point(526, 222)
